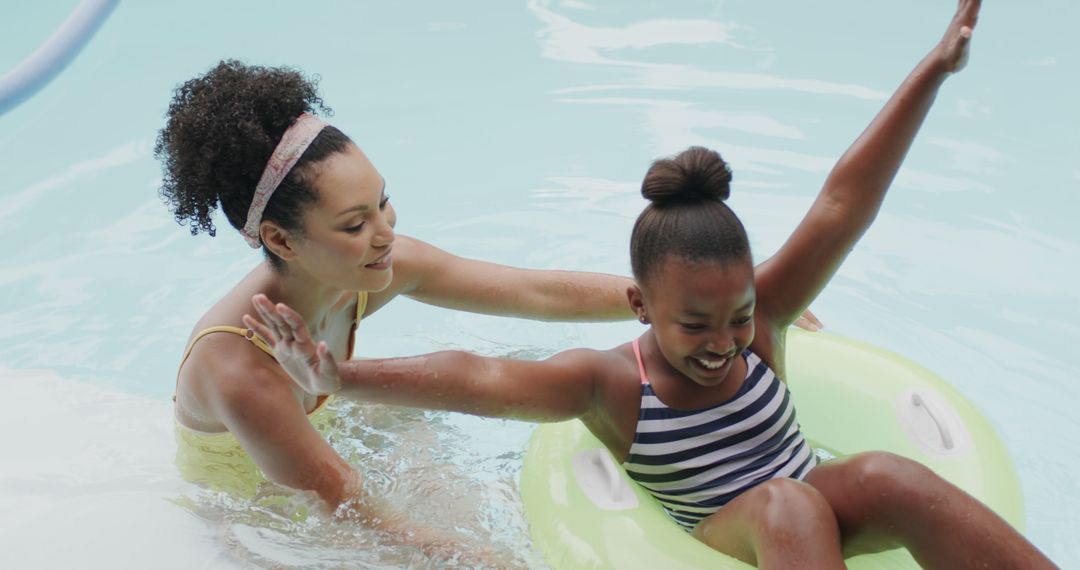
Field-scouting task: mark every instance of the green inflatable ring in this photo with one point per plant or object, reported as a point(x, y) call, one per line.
point(584, 512)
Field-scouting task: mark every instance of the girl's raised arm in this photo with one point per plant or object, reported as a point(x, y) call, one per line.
point(559, 388)
point(856, 186)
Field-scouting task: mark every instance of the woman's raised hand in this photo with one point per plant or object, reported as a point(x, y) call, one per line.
point(309, 364)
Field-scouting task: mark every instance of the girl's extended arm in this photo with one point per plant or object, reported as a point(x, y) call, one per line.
point(856, 186)
point(559, 388)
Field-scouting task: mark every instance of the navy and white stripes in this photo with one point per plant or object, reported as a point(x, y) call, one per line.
point(695, 461)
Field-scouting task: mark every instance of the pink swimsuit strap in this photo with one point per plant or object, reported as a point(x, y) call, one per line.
point(640, 363)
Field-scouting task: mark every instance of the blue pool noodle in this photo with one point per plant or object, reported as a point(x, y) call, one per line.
point(55, 54)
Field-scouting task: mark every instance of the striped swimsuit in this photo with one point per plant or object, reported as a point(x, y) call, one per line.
point(695, 461)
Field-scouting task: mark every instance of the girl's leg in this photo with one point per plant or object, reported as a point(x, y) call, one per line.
point(883, 501)
point(782, 523)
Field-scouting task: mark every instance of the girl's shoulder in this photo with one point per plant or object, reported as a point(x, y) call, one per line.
point(768, 345)
point(613, 372)
point(618, 397)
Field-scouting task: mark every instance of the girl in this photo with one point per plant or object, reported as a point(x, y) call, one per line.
point(695, 408)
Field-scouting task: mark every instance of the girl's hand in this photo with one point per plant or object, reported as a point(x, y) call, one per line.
point(954, 47)
point(310, 365)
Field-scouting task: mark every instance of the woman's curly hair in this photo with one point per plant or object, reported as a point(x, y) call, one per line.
point(222, 128)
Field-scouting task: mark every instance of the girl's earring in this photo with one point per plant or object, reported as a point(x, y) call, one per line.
point(643, 320)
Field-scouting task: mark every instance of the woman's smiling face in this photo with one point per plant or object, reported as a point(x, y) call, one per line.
point(702, 315)
point(349, 230)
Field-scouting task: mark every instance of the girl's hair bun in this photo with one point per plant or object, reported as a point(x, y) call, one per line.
point(696, 174)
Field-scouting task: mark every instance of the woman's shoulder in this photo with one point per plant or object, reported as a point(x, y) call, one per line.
point(222, 365)
point(223, 370)
point(219, 358)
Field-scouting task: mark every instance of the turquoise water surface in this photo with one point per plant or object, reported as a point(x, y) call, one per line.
point(517, 132)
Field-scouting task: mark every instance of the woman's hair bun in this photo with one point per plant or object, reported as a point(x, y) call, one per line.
point(694, 175)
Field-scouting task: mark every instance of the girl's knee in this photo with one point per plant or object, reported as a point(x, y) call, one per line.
point(887, 475)
point(776, 505)
point(784, 503)
point(774, 524)
point(884, 468)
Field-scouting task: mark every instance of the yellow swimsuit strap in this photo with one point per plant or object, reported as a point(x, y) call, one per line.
point(361, 306)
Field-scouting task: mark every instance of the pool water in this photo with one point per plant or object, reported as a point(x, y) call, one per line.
point(517, 133)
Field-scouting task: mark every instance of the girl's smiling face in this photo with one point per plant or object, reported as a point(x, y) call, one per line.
point(702, 315)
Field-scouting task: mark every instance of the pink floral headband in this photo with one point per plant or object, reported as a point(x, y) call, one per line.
point(292, 146)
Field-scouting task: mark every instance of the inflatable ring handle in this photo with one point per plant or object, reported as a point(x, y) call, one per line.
point(600, 479)
point(611, 474)
point(943, 428)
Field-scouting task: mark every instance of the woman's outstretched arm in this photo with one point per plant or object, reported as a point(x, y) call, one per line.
point(431, 275)
point(559, 388)
point(437, 277)
point(856, 186)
